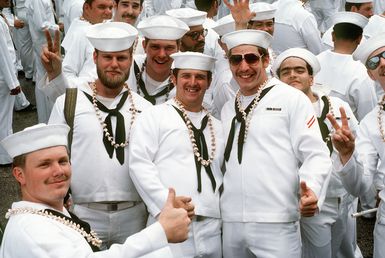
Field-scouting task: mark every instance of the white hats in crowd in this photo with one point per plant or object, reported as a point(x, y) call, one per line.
point(193, 60)
point(302, 53)
point(247, 37)
point(34, 138)
point(111, 36)
point(189, 16)
point(350, 17)
point(225, 25)
point(264, 11)
point(366, 48)
point(162, 27)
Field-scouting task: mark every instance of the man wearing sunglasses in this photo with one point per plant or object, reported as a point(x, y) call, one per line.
point(270, 128)
point(194, 39)
point(361, 160)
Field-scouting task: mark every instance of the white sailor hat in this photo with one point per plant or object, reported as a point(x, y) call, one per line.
point(34, 138)
point(247, 37)
point(302, 53)
point(350, 17)
point(366, 48)
point(359, 1)
point(224, 25)
point(111, 36)
point(193, 60)
point(264, 11)
point(162, 27)
point(189, 16)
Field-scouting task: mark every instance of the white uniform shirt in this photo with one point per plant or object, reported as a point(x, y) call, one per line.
point(8, 79)
point(153, 87)
point(347, 80)
point(71, 9)
point(283, 133)
point(35, 236)
point(335, 187)
point(295, 27)
point(78, 62)
point(366, 164)
point(161, 156)
point(89, 158)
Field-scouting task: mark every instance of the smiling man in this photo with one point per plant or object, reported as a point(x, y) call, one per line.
point(277, 166)
point(105, 110)
point(321, 235)
point(150, 76)
point(180, 144)
point(128, 11)
point(45, 228)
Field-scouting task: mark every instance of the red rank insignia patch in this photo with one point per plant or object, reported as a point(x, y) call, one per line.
point(310, 122)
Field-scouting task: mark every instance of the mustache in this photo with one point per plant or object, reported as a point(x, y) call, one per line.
point(129, 16)
point(58, 179)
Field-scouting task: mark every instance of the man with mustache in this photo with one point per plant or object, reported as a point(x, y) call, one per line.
point(179, 144)
point(106, 108)
point(40, 226)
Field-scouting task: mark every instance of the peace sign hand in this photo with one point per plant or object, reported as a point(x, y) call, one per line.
point(51, 55)
point(342, 138)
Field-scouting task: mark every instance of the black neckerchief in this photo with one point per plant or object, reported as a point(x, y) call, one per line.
point(202, 147)
point(120, 131)
point(241, 137)
point(322, 125)
point(86, 227)
point(142, 86)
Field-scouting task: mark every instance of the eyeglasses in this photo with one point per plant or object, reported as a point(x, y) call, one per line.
point(374, 61)
point(196, 34)
point(249, 58)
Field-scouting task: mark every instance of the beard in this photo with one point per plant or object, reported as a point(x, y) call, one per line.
point(114, 82)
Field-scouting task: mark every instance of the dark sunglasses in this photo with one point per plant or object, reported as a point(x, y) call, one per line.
point(374, 61)
point(196, 34)
point(249, 58)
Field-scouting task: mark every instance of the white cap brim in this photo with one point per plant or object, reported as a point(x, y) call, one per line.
point(366, 48)
point(34, 138)
point(247, 37)
point(163, 27)
point(193, 60)
point(189, 16)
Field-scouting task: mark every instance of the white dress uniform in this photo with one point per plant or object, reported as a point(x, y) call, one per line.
point(378, 6)
point(71, 9)
point(8, 81)
point(97, 177)
point(323, 10)
point(161, 156)
point(347, 80)
point(295, 27)
point(261, 194)
point(322, 234)
point(78, 63)
point(36, 236)
point(23, 39)
point(40, 15)
point(152, 86)
point(364, 166)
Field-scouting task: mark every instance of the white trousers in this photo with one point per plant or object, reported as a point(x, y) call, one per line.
point(204, 239)
point(322, 234)
point(6, 114)
point(379, 233)
point(115, 226)
point(262, 240)
point(23, 42)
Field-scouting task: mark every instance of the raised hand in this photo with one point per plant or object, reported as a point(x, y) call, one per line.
point(51, 55)
point(308, 201)
point(174, 221)
point(342, 138)
point(241, 13)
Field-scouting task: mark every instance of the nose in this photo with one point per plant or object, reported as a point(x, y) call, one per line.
point(243, 65)
point(108, 12)
point(57, 169)
point(114, 62)
point(162, 52)
point(129, 9)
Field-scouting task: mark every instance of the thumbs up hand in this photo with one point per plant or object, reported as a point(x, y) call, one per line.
point(308, 201)
point(174, 220)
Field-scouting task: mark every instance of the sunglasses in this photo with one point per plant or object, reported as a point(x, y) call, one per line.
point(196, 34)
point(374, 61)
point(249, 58)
